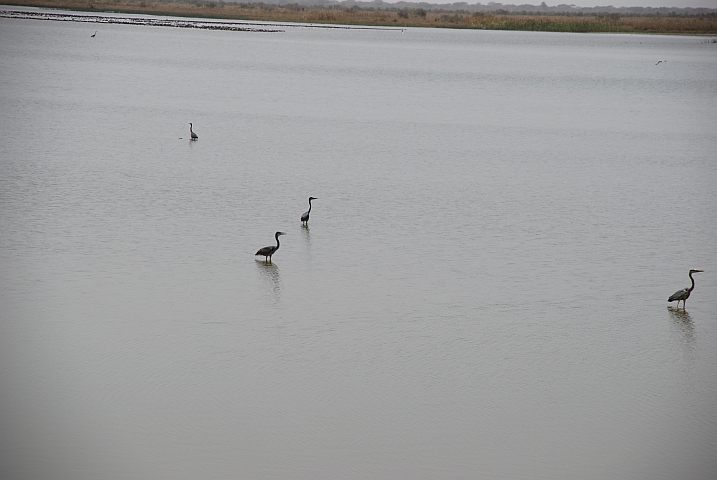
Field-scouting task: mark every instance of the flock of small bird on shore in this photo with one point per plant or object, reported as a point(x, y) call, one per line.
point(267, 252)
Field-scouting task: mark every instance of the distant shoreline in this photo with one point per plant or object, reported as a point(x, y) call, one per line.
point(604, 23)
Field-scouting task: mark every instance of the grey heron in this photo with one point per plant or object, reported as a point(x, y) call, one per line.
point(305, 216)
point(191, 132)
point(93, 35)
point(684, 294)
point(267, 252)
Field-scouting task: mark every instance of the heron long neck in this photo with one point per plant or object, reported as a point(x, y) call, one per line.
point(309, 206)
point(693, 283)
point(277, 241)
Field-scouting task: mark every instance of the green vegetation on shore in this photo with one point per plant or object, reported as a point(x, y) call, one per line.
point(602, 23)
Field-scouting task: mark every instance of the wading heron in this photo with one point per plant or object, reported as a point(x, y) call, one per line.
point(93, 35)
point(191, 132)
point(267, 252)
point(305, 216)
point(684, 294)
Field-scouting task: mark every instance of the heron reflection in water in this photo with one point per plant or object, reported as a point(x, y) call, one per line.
point(680, 315)
point(267, 252)
point(683, 326)
point(684, 294)
point(306, 233)
point(270, 274)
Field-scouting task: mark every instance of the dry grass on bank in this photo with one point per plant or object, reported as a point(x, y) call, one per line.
point(612, 23)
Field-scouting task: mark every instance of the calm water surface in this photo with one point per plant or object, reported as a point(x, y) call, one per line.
point(481, 292)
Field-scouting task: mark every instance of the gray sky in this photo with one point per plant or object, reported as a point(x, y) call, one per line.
point(593, 3)
point(631, 3)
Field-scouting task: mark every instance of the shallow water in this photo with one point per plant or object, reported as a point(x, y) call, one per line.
point(481, 292)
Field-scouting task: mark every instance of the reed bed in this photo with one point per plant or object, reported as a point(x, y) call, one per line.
point(612, 23)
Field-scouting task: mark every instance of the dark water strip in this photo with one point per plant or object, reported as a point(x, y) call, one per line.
point(153, 22)
point(157, 22)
